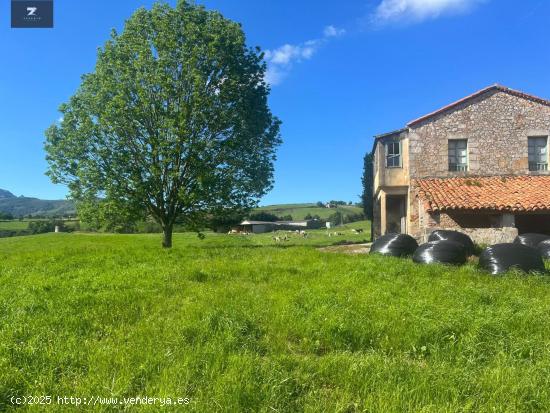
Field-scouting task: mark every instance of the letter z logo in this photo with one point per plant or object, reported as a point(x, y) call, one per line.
point(31, 14)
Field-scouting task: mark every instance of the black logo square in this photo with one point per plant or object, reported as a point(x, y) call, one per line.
point(32, 14)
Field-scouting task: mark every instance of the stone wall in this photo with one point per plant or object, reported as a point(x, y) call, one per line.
point(491, 236)
point(494, 228)
point(487, 236)
point(496, 125)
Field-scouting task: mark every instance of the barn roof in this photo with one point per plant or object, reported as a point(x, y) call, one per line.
point(247, 222)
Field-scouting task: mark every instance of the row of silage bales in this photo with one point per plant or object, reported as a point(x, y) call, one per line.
point(452, 247)
point(500, 258)
point(445, 247)
point(442, 252)
point(526, 254)
point(539, 241)
point(394, 245)
point(531, 239)
point(544, 249)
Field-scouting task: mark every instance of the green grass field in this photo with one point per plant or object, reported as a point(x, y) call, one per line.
point(13, 225)
point(242, 324)
point(299, 211)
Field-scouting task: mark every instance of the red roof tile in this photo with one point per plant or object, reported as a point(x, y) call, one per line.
point(489, 193)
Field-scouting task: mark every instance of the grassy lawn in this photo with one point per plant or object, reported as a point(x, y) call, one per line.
point(13, 225)
point(238, 323)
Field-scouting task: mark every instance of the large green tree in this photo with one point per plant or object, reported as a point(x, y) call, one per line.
point(368, 182)
point(173, 123)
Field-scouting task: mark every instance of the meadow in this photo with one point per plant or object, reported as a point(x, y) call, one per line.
point(244, 324)
point(299, 211)
point(13, 225)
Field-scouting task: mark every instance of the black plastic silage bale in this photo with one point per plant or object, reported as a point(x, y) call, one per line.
point(530, 239)
point(442, 252)
point(396, 245)
point(500, 258)
point(448, 235)
point(544, 249)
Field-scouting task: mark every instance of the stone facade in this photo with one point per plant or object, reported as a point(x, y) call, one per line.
point(493, 229)
point(496, 125)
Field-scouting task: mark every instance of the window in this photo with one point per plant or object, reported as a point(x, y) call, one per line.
point(458, 155)
point(538, 153)
point(393, 154)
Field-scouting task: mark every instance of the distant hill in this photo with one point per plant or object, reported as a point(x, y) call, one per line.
point(6, 194)
point(23, 206)
point(299, 211)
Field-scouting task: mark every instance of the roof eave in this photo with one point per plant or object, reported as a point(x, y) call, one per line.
point(384, 135)
point(481, 92)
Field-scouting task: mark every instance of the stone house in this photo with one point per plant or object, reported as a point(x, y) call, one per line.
point(478, 165)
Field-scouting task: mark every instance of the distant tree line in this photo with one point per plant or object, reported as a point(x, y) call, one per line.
point(338, 218)
point(321, 204)
point(40, 227)
point(268, 217)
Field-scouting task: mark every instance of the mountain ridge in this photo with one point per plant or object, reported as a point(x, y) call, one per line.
point(5, 194)
point(23, 206)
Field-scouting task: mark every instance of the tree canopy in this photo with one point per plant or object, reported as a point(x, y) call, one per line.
point(173, 123)
point(368, 182)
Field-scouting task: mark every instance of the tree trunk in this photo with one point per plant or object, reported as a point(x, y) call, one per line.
point(167, 236)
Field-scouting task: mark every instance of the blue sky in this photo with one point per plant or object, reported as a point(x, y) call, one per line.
point(341, 73)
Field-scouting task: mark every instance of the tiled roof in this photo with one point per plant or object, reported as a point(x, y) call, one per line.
point(479, 93)
point(490, 193)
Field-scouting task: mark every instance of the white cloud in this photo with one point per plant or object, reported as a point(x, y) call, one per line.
point(280, 60)
point(419, 10)
point(331, 31)
point(274, 75)
point(288, 52)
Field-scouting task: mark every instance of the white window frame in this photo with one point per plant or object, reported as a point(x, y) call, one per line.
point(399, 156)
point(537, 161)
point(453, 153)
